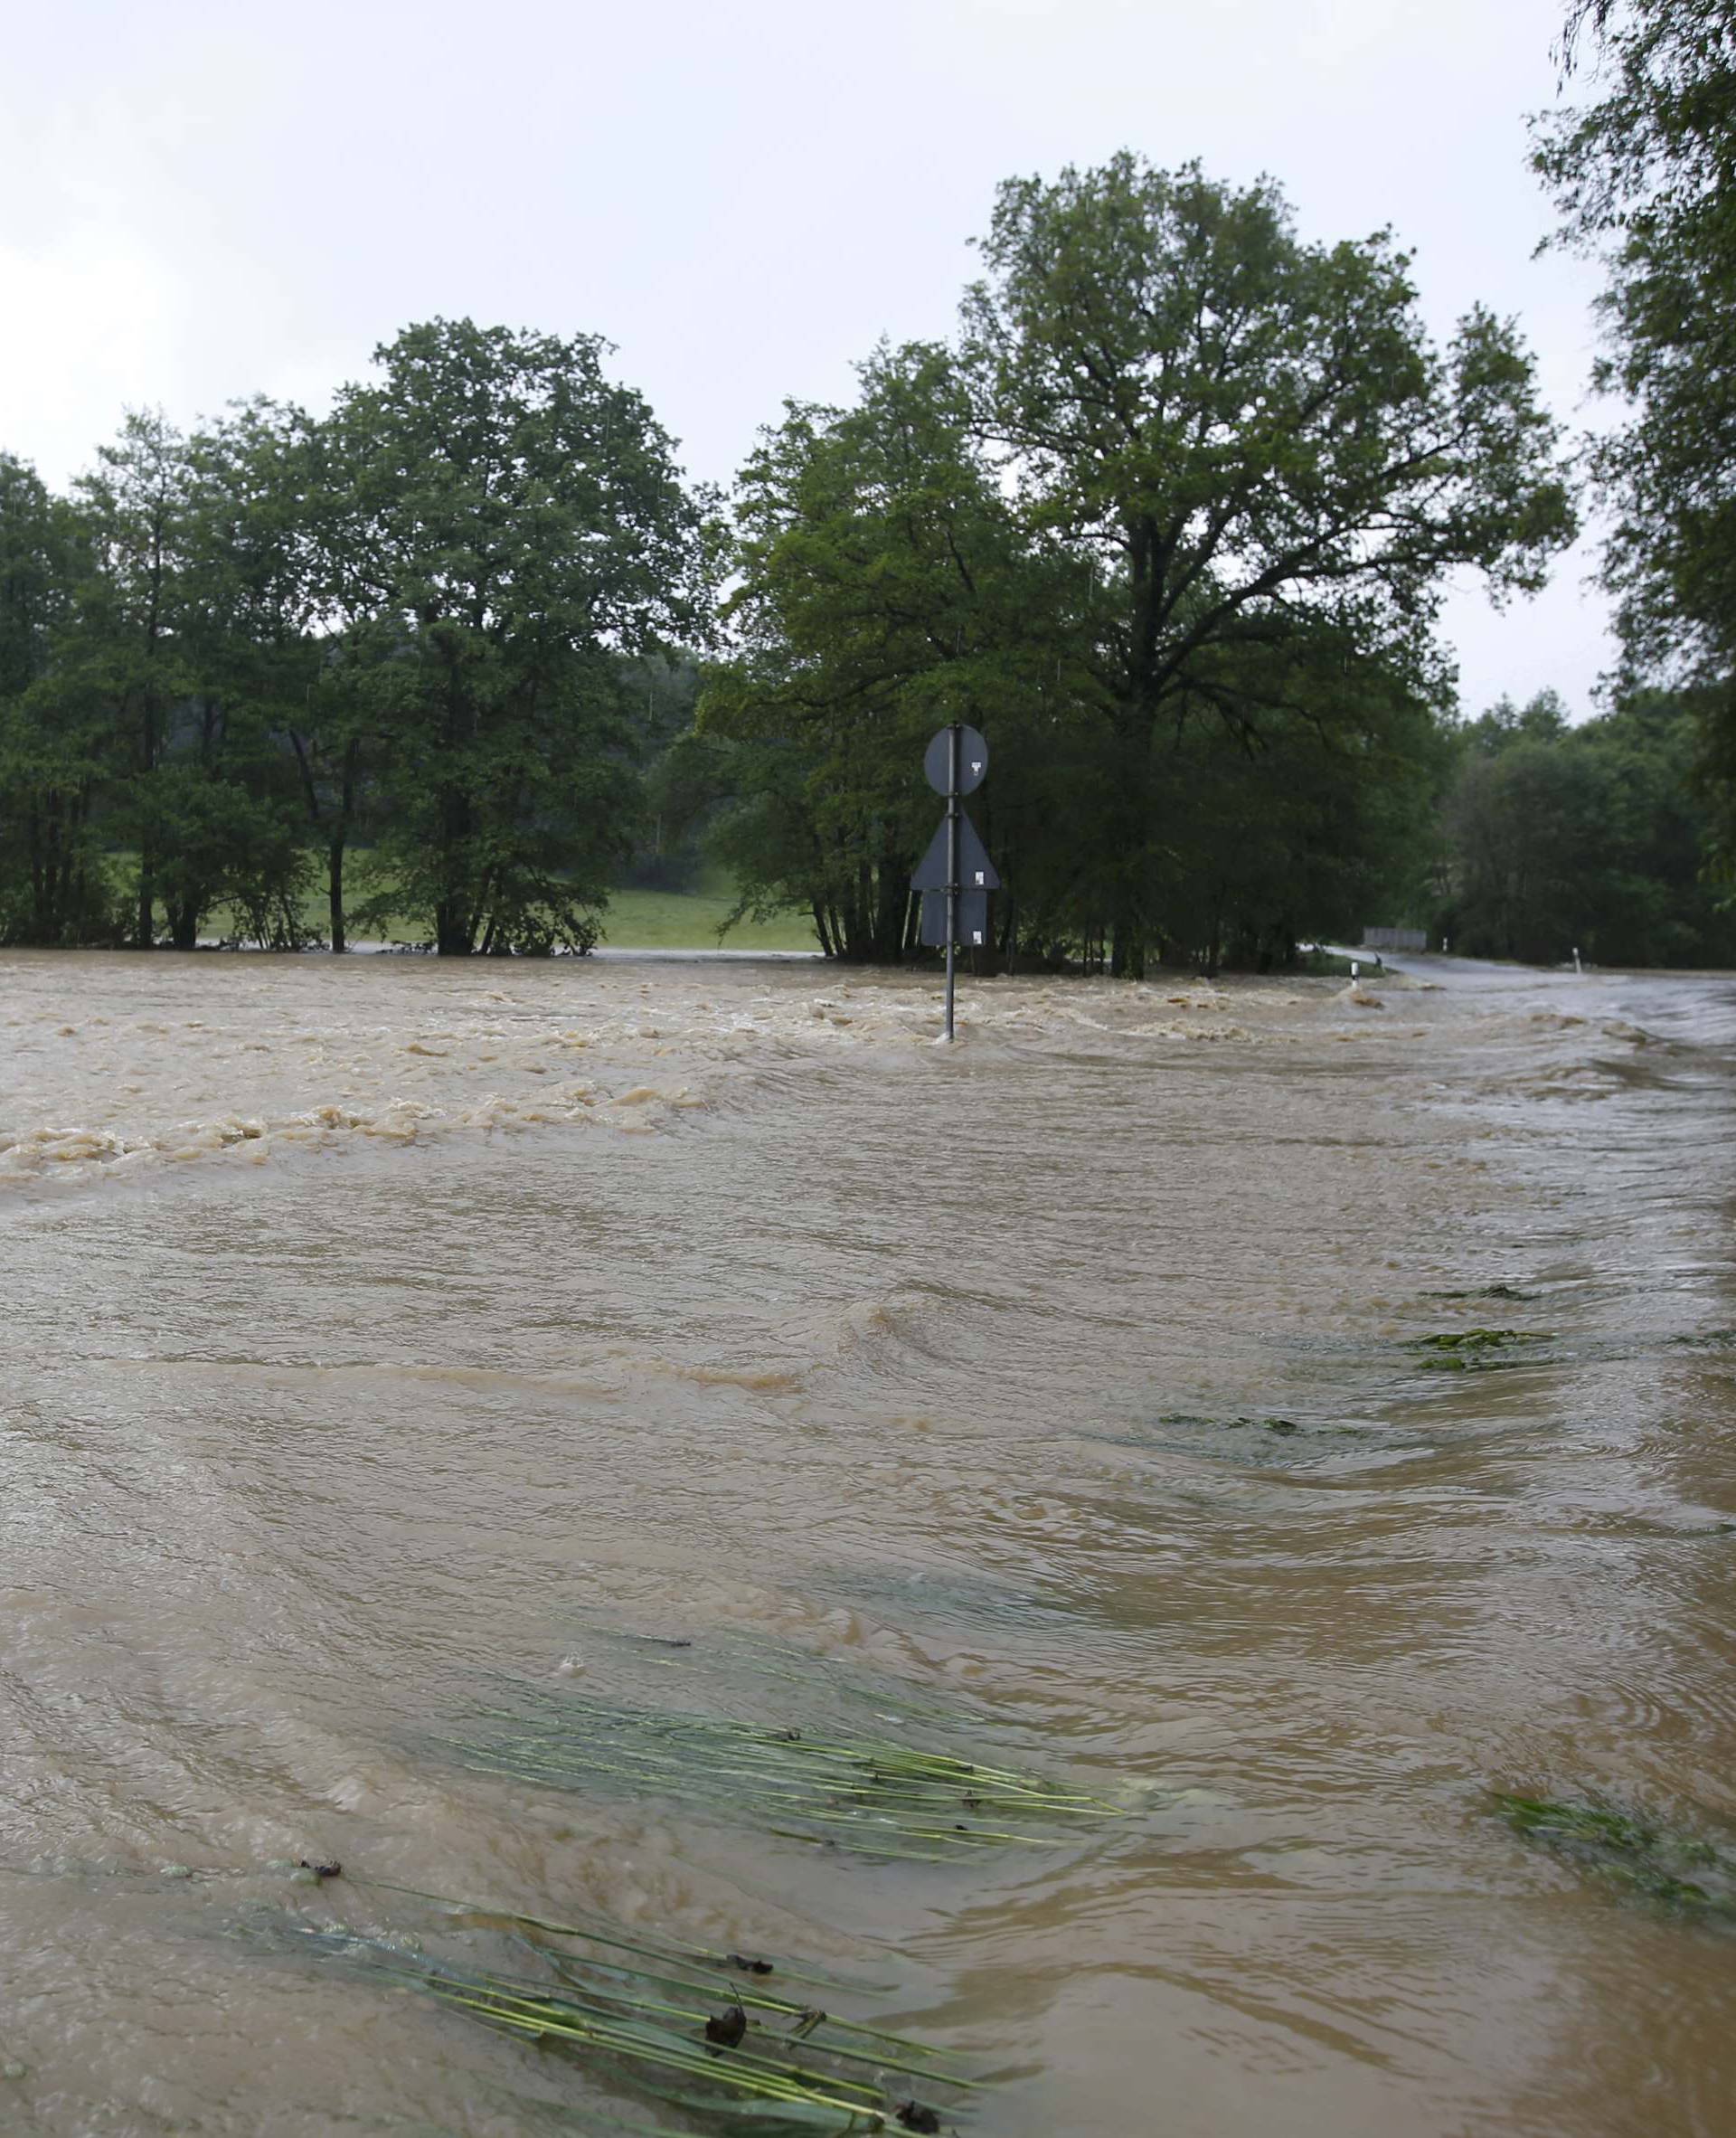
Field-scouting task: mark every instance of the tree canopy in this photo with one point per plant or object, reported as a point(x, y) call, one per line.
point(1645, 174)
point(417, 618)
point(1175, 513)
point(1559, 838)
point(1169, 518)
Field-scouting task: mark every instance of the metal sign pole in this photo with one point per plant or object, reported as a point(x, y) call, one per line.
point(952, 865)
point(955, 875)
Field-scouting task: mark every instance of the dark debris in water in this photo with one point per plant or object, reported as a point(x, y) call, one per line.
point(725, 2029)
point(913, 2115)
point(1282, 1427)
point(1508, 1292)
point(1672, 1867)
point(1245, 1437)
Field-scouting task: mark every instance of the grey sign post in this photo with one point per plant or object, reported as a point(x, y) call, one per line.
point(956, 874)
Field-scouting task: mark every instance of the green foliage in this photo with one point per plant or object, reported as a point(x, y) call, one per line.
point(1169, 520)
point(166, 652)
point(496, 523)
point(1170, 526)
point(422, 622)
point(1646, 177)
point(885, 588)
point(1593, 838)
point(1252, 448)
point(1473, 1349)
point(55, 749)
point(1641, 1857)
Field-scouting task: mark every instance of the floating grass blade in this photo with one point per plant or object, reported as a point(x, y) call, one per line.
point(871, 1796)
point(733, 1978)
point(763, 2063)
point(727, 1968)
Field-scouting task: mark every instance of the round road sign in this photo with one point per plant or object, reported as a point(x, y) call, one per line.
point(973, 760)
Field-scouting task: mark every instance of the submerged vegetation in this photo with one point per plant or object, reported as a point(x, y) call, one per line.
point(872, 1797)
point(1463, 1350)
point(729, 2040)
point(1283, 1427)
point(1646, 1860)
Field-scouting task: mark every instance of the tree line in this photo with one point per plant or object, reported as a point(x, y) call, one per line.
point(424, 628)
point(1169, 518)
point(1549, 837)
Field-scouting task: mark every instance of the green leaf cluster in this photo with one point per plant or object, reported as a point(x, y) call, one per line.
point(1645, 174)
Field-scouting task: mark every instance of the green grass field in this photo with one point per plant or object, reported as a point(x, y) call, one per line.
point(690, 919)
point(635, 921)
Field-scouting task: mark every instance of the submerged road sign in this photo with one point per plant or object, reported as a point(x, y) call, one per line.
point(968, 924)
point(956, 874)
point(975, 871)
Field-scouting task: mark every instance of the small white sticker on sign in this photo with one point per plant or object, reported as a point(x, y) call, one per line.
point(979, 875)
point(976, 935)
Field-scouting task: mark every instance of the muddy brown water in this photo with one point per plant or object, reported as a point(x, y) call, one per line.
point(374, 1330)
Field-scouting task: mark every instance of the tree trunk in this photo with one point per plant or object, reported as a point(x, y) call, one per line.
point(1130, 827)
point(452, 936)
point(455, 918)
point(891, 906)
point(144, 925)
point(335, 892)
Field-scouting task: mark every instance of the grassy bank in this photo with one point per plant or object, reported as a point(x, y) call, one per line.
point(690, 919)
point(635, 921)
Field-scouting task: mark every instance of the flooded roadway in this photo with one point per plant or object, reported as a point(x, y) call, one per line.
point(374, 1328)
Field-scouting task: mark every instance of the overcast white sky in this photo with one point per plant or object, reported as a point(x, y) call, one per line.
point(201, 201)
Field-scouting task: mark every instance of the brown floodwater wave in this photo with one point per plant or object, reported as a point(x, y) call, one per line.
point(375, 1331)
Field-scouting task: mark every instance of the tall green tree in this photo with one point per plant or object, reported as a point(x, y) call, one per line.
point(498, 523)
point(1244, 437)
point(886, 586)
point(1313, 826)
point(55, 749)
point(1646, 175)
point(235, 834)
point(128, 651)
point(185, 643)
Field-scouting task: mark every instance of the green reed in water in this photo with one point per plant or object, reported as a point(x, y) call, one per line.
point(1671, 1867)
point(873, 1797)
point(1463, 1350)
point(717, 2036)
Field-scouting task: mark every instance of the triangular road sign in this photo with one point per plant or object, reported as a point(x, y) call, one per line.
point(976, 870)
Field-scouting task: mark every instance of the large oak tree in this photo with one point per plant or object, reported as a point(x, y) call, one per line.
point(1255, 445)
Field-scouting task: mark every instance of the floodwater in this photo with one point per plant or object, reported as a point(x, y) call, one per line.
point(376, 1333)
